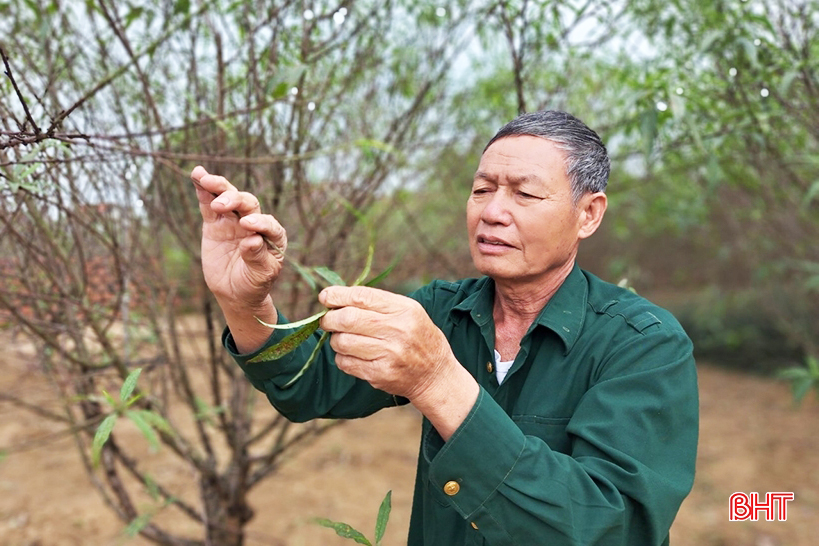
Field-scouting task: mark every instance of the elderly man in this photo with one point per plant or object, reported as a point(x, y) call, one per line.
point(558, 409)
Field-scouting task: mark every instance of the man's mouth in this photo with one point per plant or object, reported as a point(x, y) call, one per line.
point(493, 241)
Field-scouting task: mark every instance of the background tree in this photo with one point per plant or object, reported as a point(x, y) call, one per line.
point(112, 105)
point(709, 111)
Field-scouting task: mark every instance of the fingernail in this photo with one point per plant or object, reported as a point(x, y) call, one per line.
point(251, 220)
point(222, 200)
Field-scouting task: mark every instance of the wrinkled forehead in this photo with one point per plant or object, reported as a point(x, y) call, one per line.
point(522, 157)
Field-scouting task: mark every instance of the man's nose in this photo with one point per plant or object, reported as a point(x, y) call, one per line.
point(497, 210)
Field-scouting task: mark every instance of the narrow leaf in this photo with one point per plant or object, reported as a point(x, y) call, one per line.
point(109, 398)
point(383, 518)
point(101, 436)
point(368, 264)
point(344, 530)
point(138, 524)
point(813, 365)
point(381, 276)
point(306, 274)
point(144, 428)
point(286, 345)
point(330, 276)
point(310, 360)
point(292, 325)
point(811, 194)
point(800, 388)
point(151, 487)
point(129, 385)
point(155, 420)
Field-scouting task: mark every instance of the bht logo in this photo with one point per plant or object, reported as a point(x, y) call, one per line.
point(743, 507)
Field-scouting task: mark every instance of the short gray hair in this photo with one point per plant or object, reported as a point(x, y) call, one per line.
point(587, 162)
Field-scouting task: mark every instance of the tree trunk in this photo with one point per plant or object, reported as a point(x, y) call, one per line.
point(226, 513)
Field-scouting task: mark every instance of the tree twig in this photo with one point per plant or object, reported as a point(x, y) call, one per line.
point(29, 117)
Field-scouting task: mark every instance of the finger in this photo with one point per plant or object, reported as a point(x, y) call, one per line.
point(363, 297)
point(358, 346)
point(261, 264)
point(354, 320)
point(354, 366)
point(267, 225)
point(231, 200)
point(212, 183)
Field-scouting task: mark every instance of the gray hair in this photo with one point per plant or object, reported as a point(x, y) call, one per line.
point(587, 162)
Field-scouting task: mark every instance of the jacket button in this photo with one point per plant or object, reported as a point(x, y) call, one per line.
point(473, 525)
point(451, 488)
point(489, 367)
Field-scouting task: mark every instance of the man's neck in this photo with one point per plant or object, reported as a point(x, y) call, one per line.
point(520, 303)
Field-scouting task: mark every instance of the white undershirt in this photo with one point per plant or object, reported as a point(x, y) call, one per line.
point(501, 367)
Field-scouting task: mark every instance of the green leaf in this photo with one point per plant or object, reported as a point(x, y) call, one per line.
point(109, 398)
point(344, 530)
point(794, 374)
point(330, 276)
point(369, 263)
point(381, 276)
point(286, 345)
point(383, 518)
point(305, 274)
point(155, 420)
point(800, 388)
point(280, 91)
point(138, 524)
point(182, 6)
point(310, 360)
point(133, 14)
point(129, 384)
point(811, 194)
point(292, 325)
point(372, 144)
point(204, 411)
point(151, 487)
point(144, 427)
point(101, 436)
point(813, 365)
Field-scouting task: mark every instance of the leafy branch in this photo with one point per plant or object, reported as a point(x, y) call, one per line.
point(347, 531)
point(803, 378)
point(308, 326)
point(148, 422)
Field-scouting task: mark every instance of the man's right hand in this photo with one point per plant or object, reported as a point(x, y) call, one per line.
point(238, 264)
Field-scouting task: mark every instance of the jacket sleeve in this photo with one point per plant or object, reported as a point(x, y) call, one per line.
point(323, 391)
point(633, 449)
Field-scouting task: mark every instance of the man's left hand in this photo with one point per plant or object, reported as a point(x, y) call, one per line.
point(385, 339)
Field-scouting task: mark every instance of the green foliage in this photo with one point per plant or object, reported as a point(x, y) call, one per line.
point(733, 330)
point(346, 531)
point(148, 422)
point(802, 379)
point(306, 327)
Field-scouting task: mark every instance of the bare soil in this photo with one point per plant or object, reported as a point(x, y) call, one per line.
point(752, 440)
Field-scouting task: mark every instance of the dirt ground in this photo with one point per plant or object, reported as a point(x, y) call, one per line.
point(752, 440)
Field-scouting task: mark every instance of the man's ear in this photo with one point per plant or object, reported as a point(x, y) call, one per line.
point(592, 207)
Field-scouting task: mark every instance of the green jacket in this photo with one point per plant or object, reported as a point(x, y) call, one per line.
point(590, 440)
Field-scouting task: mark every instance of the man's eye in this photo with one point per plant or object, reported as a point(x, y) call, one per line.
point(527, 195)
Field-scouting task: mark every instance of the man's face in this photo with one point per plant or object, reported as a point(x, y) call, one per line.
point(522, 222)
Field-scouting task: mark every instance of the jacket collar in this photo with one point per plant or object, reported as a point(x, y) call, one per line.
point(563, 314)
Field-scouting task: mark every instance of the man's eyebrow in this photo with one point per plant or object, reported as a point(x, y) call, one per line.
point(480, 175)
point(512, 179)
